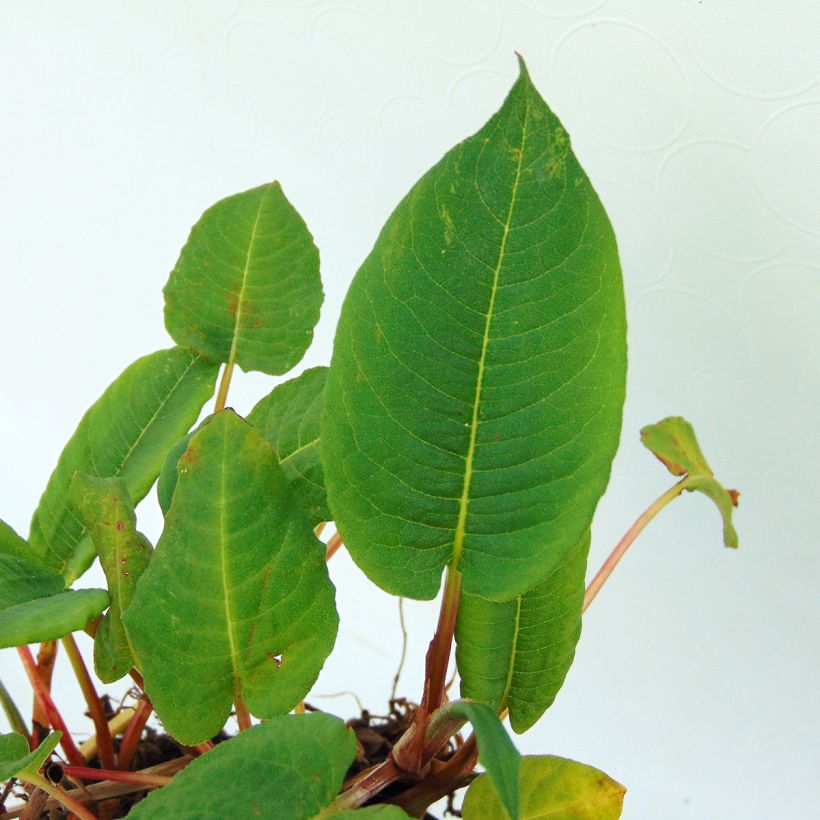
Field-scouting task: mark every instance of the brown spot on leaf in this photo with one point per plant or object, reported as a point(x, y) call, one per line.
point(233, 303)
point(120, 526)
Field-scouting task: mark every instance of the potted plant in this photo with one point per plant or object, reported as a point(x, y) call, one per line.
point(459, 442)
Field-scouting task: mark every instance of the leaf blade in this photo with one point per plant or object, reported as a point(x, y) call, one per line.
point(448, 347)
point(125, 433)
point(254, 614)
point(551, 787)
point(246, 287)
point(15, 758)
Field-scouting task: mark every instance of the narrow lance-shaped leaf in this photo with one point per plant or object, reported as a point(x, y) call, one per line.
point(516, 654)
point(236, 601)
point(551, 787)
point(17, 761)
point(473, 403)
point(35, 606)
point(291, 766)
point(289, 418)
point(126, 433)
point(246, 287)
point(673, 441)
point(106, 509)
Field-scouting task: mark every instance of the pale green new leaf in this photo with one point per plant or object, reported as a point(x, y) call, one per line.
point(17, 761)
point(551, 787)
point(246, 287)
point(516, 654)
point(289, 418)
point(236, 599)
point(673, 441)
point(35, 606)
point(107, 511)
point(290, 766)
point(126, 433)
point(473, 403)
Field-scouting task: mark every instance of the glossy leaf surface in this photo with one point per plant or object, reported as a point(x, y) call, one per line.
point(236, 599)
point(246, 287)
point(289, 418)
point(674, 443)
point(16, 759)
point(126, 433)
point(517, 653)
point(551, 787)
point(473, 403)
point(107, 511)
point(291, 766)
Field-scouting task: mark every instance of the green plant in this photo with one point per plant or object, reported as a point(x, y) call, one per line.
point(465, 427)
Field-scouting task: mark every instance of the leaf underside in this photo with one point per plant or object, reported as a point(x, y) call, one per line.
point(126, 433)
point(291, 766)
point(106, 509)
point(516, 654)
point(473, 403)
point(551, 787)
point(289, 418)
point(246, 287)
point(236, 598)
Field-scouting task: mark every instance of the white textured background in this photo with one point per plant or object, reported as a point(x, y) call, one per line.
point(697, 677)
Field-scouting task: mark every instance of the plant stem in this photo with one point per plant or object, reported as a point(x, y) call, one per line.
point(131, 738)
point(368, 784)
point(58, 794)
point(105, 745)
point(43, 698)
point(243, 716)
point(117, 724)
point(631, 534)
point(87, 773)
point(224, 384)
point(12, 713)
point(46, 658)
point(397, 676)
point(333, 544)
point(438, 655)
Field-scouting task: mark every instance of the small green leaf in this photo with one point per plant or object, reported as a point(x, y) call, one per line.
point(105, 508)
point(289, 417)
point(674, 443)
point(290, 766)
point(126, 433)
point(35, 606)
point(496, 752)
point(383, 812)
point(167, 481)
point(473, 403)
point(15, 758)
point(12, 544)
point(551, 787)
point(246, 287)
point(236, 599)
point(517, 653)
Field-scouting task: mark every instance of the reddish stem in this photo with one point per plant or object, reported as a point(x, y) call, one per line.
point(46, 657)
point(43, 697)
point(243, 716)
point(105, 745)
point(333, 544)
point(133, 733)
point(87, 773)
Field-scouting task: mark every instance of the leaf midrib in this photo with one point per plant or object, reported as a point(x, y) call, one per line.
point(241, 295)
point(229, 620)
point(461, 524)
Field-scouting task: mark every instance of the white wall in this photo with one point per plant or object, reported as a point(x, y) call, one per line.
point(699, 122)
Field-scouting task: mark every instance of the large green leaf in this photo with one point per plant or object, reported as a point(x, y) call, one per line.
point(35, 606)
point(246, 287)
point(673, 442)
point(15, 758)
point(551, 787)
point(236, 599)
point(126, 433)
point(291, 766)
point(473, 403)
point(289, 417)
point(12, 544)
point(516, 654)
point(107, 510)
